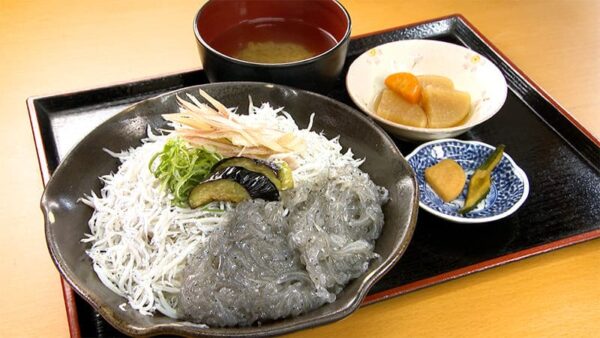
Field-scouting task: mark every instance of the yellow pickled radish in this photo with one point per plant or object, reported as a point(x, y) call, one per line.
point(447, 178)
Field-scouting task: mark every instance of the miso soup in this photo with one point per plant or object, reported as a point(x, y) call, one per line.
point(273, 41)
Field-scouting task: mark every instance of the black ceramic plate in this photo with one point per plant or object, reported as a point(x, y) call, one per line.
point(66, 218)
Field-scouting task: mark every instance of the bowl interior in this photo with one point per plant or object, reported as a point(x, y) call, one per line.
point(217, 17)
point(470, 72)
point(66, 218)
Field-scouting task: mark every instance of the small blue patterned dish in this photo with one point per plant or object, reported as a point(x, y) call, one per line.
point(509, 190)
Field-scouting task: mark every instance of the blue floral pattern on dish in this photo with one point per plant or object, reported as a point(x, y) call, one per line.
point(509, 183)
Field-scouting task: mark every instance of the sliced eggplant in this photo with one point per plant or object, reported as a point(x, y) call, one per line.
point(217, 190)
point(257, 184)
point(261, 167)
point(280, 175)
point(233, 184)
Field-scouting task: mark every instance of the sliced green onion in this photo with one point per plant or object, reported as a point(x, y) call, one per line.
point(181, 167)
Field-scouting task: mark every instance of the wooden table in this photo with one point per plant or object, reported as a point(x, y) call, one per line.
point(56, 46)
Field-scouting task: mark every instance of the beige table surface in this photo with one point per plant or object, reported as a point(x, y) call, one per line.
point(57, 46)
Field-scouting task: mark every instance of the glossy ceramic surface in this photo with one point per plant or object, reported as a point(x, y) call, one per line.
point(470, 72)
point(66, 218)
point(510, 186)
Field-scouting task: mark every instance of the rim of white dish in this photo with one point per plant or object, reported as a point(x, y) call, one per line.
point(520, 173)
point(418, 129)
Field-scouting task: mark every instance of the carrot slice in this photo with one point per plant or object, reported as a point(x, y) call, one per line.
point(405, 85)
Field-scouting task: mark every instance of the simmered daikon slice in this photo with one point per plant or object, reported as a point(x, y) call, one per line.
point(436, 81)
point(444, 107)
point(394, 108)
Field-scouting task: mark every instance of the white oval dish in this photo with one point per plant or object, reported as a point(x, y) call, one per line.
point(470, 72)
point(510, 186)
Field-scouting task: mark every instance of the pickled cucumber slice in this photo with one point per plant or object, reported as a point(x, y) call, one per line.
point(481, 181)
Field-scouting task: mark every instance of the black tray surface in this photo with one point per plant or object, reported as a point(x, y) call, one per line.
point(562, 164)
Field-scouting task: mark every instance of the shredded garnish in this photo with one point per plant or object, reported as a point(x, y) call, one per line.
point(228, 133)
point(180, 168)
